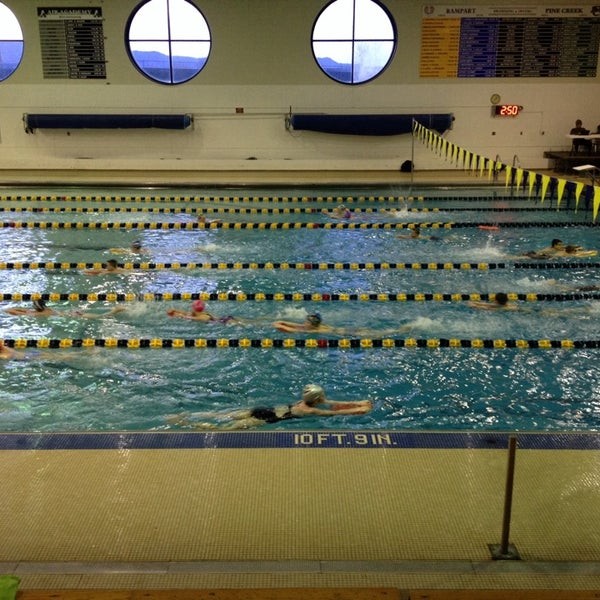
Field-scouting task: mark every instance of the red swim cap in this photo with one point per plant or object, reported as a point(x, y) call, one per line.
point(198, 306)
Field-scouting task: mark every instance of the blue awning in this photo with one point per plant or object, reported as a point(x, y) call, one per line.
point(91, 121)
point(369, 124)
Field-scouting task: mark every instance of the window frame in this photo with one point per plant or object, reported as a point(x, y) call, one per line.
point(354, 41)
point(168, 40)
point(20, 41)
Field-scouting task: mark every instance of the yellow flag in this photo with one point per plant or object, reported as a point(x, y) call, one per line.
point(519, 179)
point(578, 190)
point(545, 182)
point(560, 189)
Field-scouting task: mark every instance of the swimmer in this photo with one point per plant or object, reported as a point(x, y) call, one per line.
point(7, 353)
point(136, 248)
point(500, 302)
point(312, 323)
point(313, 403)
point(204, 221)
point(41, 310)
point(339, 212)
point(576, 251)
point(198, 313)
point(555, 247)
point(559, 249)
point(416, 234)
point(111, 268)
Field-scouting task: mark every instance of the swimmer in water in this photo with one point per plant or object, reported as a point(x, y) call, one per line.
point(136, 248)
point(556, 246)
point(500, 302)
point(312, 323)
point(198, 312)
point(41, 310)
point(312, 403)
point(416, 234)
point(7, 353)
point(204, 221)
point(111, 268)
point(339, 212)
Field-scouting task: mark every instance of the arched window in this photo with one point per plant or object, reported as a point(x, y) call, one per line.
point(168, 40)
point(353, 41)
point(11, 42)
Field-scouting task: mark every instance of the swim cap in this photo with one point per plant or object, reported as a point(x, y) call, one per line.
point(39, 305)
point(136, 244)
point(313, 393)
point(198, 306)
point(314, 319)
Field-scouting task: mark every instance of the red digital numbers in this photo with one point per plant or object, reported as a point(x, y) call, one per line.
point(507, 110)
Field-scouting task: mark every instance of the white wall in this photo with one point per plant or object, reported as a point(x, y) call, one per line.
point(261, 60)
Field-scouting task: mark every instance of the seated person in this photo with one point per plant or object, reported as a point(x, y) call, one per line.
point(198, 313)
point(313, 398)
point(578, 143)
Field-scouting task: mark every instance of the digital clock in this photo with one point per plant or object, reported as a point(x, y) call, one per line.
point(506, 110)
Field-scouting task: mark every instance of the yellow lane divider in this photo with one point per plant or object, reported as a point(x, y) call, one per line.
point(310, 343)
point(290, 297)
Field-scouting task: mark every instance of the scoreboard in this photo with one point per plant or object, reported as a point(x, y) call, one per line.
point(502, 41)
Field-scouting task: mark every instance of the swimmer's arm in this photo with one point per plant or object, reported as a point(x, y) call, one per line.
point(356, 410)
point(480, 305)
point(179, 314)
point(89, 315)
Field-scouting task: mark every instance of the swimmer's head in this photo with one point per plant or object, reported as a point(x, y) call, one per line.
point(314, 320)
point(501, 298)
point(198, 306)
point(111, 264)
point(136, 245)
point(313, 394)
point(556, 243)
point(39, 305)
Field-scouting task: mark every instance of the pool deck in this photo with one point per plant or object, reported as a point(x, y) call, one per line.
point(248, 178)
point(316, 513)
point(239, 510)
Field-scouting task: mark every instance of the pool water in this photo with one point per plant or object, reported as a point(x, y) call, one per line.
point(469, 388)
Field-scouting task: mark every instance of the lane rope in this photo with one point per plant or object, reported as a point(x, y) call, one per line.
point(283, 225)
point(247, 211)
point(146, 266)
point(264, 199)
point(218, 199)
point(289, 343)
point(291, 297)
point(237, 266)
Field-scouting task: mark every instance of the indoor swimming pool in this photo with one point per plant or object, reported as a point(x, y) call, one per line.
point(407, 331)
